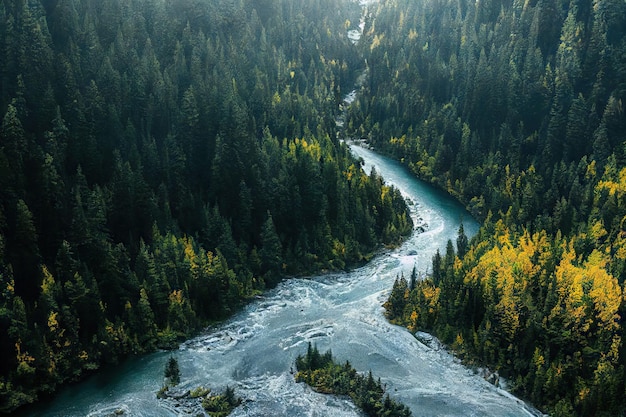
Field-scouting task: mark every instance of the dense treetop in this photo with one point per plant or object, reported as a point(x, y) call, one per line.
point(517, 109)
point(162, 161)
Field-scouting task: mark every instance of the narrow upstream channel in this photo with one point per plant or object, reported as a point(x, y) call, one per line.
point(255, 350)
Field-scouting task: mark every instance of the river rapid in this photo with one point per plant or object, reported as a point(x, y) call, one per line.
point(255, 350)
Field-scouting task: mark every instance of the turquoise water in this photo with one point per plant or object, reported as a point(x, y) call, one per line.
point(255, 350)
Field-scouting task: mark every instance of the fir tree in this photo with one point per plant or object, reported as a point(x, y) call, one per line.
point(172, 371)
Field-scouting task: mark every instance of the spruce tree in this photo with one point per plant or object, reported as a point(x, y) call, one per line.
point(172, 371)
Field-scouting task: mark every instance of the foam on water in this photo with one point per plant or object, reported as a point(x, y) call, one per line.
point(255, 351)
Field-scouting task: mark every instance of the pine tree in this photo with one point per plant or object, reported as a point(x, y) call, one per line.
point(172, 371)
point(271, 250)
point(462, 243)
point(15, 146)
point(25, 256)
point(398, 298)
point(413, 279)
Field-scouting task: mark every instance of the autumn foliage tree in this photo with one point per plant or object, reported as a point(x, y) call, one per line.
point(516, 109)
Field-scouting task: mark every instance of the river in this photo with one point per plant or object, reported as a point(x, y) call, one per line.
point(255, 350)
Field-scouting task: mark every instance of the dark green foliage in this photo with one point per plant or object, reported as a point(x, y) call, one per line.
point(271, 249)
point(324, 375)
point(397, 299)
point(462, 243)
point(160, 164)
point(515, 108)
point(172, 371)
point(499, 113)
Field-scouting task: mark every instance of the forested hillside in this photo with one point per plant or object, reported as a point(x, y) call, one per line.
point(517, 109)
point(162, 161)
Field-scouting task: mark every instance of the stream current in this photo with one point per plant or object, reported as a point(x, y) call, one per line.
point(255, 350)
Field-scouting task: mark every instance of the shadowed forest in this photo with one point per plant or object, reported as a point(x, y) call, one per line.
point(160, 163)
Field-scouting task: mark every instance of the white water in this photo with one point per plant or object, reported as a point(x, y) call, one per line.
point(256, 349)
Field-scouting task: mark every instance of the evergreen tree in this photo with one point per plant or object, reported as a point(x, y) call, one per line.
point(462, 243)
point(397, 300)
point(413, 278)
point(25, 257)
point(172, 371)
point(271, 251)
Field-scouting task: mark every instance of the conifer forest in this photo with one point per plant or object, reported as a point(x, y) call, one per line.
point(164, 162)
point(160, 163)
point(517, 109)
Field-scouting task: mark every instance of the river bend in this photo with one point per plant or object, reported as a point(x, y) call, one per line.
point(255, 350)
